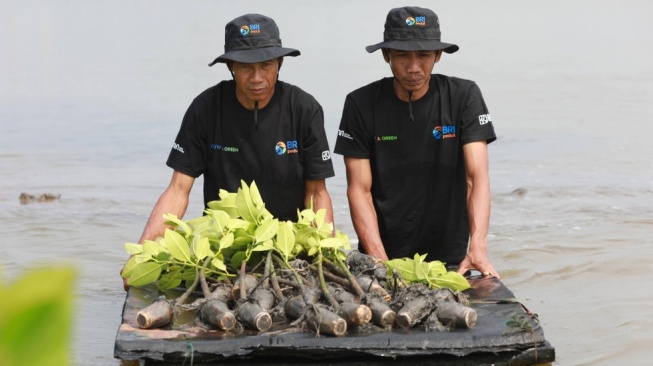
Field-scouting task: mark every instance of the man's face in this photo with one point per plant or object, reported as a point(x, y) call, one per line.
point(255, 82)
point(412, 69)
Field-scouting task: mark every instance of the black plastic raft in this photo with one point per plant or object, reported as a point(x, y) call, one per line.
point(505, 334)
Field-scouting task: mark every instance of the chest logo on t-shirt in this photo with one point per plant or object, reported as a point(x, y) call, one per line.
point(444, 132)
point(386, 138)
point(288, 147)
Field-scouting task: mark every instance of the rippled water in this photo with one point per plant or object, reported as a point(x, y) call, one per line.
point(92, 94)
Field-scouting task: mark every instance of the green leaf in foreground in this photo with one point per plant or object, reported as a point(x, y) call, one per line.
point(36, 319)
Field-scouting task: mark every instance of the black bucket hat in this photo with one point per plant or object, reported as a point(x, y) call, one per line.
point(412, 29)
point(252, 38)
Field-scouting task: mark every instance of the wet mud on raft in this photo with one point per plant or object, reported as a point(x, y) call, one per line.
point(504, 332)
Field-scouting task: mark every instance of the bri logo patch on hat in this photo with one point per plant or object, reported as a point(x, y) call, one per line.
point(252, 28)
point(419, 20)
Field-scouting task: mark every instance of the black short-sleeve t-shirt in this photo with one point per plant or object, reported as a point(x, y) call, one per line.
point(418, 175)
point(279, 147)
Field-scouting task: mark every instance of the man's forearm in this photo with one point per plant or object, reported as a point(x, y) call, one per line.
point(168, 203)
point(365, 223)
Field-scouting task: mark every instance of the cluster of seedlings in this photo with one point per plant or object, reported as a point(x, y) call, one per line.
point(255, 272)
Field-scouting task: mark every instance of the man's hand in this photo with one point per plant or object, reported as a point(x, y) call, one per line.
point(480, 262)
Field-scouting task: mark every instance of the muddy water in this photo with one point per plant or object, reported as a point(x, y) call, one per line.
point(92, 93)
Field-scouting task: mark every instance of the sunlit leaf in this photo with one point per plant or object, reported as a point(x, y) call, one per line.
point(199, 223)
point(452, 280)
point(226, 241)
point(285, 239)
point(307, 217)
point(263, 246)
point(201, 247)
point(177, 245)
point(133, 249)
point(331, 243)
point(266, 231)
point(235, 224)
point(246, 207)
point(144, 274)
point(304, 234)
point(422, 271)
point(219, 220)
point(219, 264)
point(128, 267)
point(256, 196)
point(345, 239)
point(142, 258)
point(176, 221)
point(151, 248)
point(313, 251)
point(436, 268)
point(433, 274)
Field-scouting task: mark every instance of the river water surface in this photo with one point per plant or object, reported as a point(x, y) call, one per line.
point(92, 94)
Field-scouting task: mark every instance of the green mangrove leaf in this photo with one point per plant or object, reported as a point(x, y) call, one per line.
point(433, 274)
point(303, 234)
point(256, 196)
point(331, 243)
point(151, 248)
point(144, 273)
point(201, 247)
point(200, 223)
point(436, 268)
point(285, 239)
point(219, 264)
point(188, 273)
point(312, 251)
point(266, 231)
point(345, 240)
point(325, 230)
point(404, 266)
point(128, 268)
point(227, 241)
point(320, 217)
point(219, 220)
point(177, 245)
point(226, 195)
point(172, 219)
point(227, 203)
point(169, 280)
point(263, 246)
point(142, 258)
point(246, 207)
point(237, 259)
point(163, 257)
point(235, 224)
point(307, 217)
point(452, 280)
point(133, 249)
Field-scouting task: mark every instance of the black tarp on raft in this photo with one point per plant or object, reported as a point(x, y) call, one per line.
point(490, 341)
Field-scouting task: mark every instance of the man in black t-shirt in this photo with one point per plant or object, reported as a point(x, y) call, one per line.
point(415, 150)
point(251, 128)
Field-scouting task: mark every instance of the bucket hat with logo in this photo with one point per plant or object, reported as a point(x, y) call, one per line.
point(252, 38)
point(412, 29)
